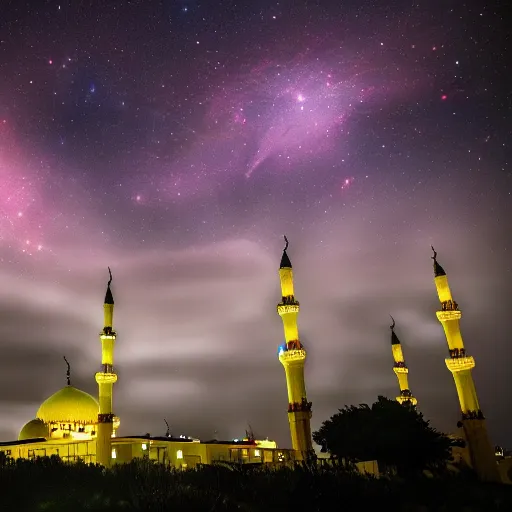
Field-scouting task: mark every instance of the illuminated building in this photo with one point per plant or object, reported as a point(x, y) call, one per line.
point(460, 364)
point(293, 356)
point(73, 425)
point(106, 380)
point(400, 369)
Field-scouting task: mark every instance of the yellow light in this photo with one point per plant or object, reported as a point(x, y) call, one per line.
point(179, 454)
point(144, 446)
point(114, 455)
point(257, 453)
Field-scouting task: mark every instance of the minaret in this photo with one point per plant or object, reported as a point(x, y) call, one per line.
point(106, 379)
point(460, 364)
point(400, 369)
point(293, 356)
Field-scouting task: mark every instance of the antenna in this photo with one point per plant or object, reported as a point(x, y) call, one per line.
point(249, 433)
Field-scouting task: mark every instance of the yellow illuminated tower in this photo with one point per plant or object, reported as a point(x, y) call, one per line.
point(106, 379)
point(293, 356)
point(460, 365)
point(400, 369)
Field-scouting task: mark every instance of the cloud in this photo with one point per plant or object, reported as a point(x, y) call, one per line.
point(198, 332)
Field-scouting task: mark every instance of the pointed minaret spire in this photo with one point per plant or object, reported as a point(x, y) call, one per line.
point(438, 270)
point(400, 369)
point(109, 298)
point(285, 261)
point(68, 372)
point(394, 337)
point(108, 306)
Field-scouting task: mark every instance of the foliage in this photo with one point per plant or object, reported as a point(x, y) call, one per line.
point(395, 435)
point(48, 484)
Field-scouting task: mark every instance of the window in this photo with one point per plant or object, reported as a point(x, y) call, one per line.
point(179, 454)
point(257, 453)
point(144, 446)
point(114, 454)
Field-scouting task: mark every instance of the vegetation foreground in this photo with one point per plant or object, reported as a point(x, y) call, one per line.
point(51, 485)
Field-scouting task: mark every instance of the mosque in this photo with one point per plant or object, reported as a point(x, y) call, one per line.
point(76, 426)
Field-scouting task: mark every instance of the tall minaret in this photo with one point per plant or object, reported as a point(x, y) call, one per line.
point(460, 364)
point(106, 379)
point(400, 369)
point(293, 356)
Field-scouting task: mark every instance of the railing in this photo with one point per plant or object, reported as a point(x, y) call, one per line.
point(291, 355)
point(302, 406)
point(457, 352)
point(449, 305)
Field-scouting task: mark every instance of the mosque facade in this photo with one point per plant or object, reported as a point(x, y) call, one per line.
point(74, 425)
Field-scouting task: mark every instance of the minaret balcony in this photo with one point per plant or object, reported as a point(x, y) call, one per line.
point(108, 334)
point(446, 316)
point(406, 399)
point(400, 369)
point(460, 364)
point(283, 309)
point(292, 356)
point(105, 378)
point(302, 406)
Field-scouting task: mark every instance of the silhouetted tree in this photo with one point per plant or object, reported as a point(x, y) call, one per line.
point(393, 434)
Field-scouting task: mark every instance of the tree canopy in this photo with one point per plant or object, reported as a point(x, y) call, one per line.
point(394, 434)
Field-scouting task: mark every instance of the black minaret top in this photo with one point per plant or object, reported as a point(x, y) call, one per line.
point(109, 299)
point(394, 337)
point(285, 261)
point(438, 270)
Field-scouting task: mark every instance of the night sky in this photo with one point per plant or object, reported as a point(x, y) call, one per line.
point(177, 141)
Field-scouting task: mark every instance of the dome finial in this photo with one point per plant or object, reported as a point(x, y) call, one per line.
point(68, 372)
point(438, 270)
point(392, 326)
point(109, 298)
point(285, 261)
point(168, 432)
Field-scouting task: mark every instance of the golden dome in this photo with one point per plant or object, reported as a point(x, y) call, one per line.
point(33, 429)
point(69, 405)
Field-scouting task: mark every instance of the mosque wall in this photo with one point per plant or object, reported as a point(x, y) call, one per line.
point(183, 455)
point(69, 451)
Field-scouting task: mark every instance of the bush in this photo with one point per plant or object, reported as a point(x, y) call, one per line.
point(48, 484)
